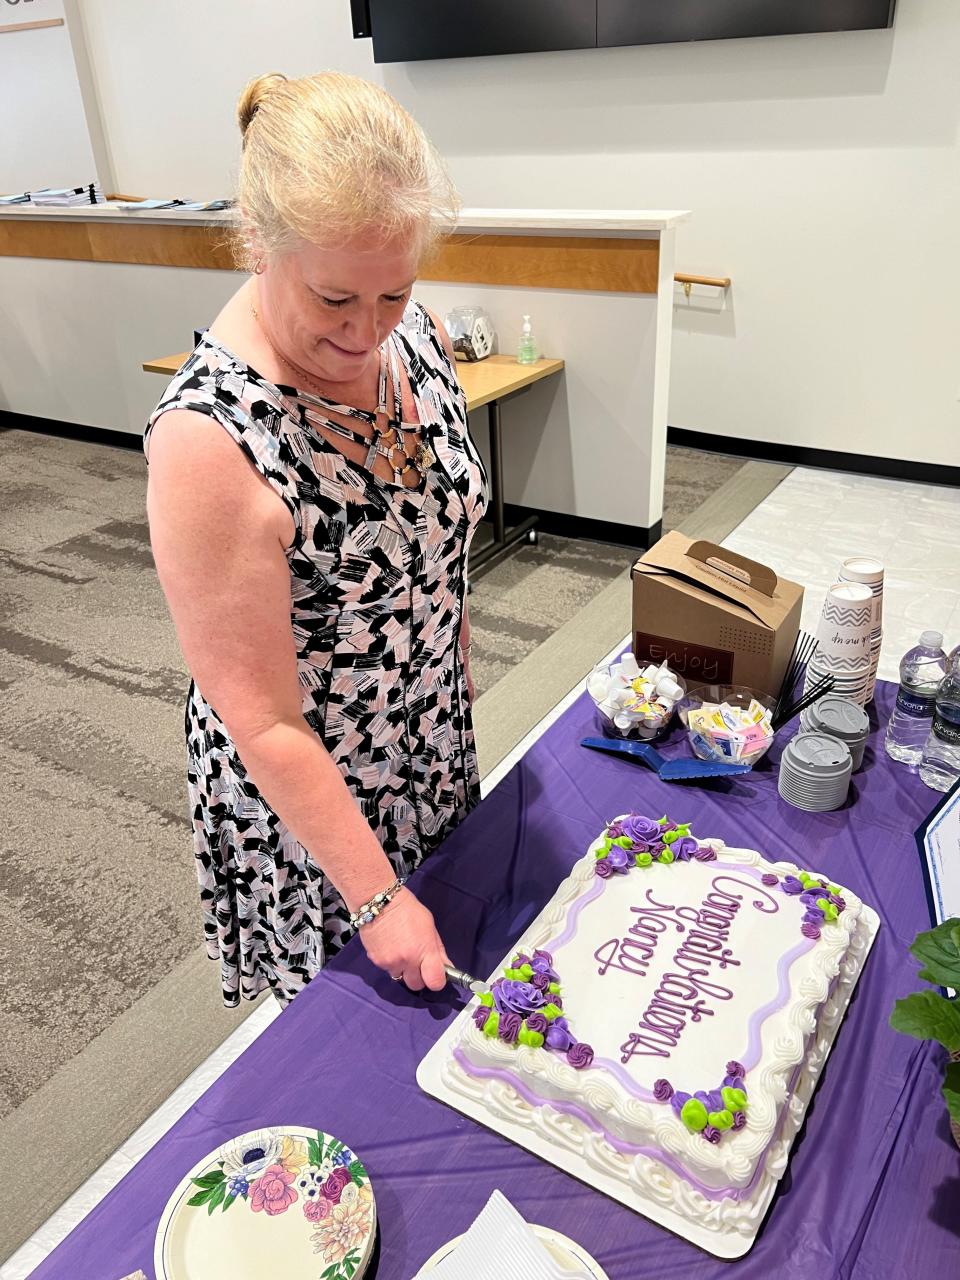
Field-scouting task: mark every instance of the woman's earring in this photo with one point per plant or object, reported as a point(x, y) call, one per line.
point(258, 267)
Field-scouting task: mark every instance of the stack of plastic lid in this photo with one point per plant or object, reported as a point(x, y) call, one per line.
point(840, 718)
point(815, 772)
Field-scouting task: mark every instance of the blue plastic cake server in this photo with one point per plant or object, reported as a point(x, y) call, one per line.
point(688, 770)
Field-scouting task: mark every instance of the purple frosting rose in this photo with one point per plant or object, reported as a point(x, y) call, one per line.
point(662, 1090)
point(813, 915)
point(640, 829)
point(559, 1037)
point(735, 1068)
point(838, 902)
point(541, 981)
point(509, 1027)
point(541, 959)
point(791, 885)
point(580, 1055)
point(618, 859)
point(614, 830)
point(537, 1022)
point(520, 959)
point(685, 848)
point(603, 870)
point(739, 1120)
point(769, 878)
point(678, 1100)
point(811, 896)
point(705, 854)
point(711, 1134)
point(810, 930)
point(480, 1016)
point(511, 996)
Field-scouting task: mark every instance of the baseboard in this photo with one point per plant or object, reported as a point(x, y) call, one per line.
point(10, 421)
point(797, 455)
point(567, 526)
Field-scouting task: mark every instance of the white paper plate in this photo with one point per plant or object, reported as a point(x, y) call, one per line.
point(241, 1242)
point(564, 1252)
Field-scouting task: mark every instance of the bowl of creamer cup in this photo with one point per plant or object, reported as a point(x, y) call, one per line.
point(840, 718)
point(635, 699)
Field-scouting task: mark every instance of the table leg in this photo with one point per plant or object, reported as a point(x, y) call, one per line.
point(503, 541)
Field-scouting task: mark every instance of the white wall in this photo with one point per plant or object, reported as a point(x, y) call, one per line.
point(45, 142)
point(823, 173)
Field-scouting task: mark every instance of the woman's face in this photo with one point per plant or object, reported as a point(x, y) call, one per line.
point(328, 310)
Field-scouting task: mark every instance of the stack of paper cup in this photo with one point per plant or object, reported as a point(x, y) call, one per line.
point(815, 772)
point(843, 641)
point(869, 571)
point(840, 718)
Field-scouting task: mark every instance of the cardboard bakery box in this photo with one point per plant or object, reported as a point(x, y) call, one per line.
point(712, 615)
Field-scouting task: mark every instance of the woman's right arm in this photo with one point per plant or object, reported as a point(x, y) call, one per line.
point(219, 534)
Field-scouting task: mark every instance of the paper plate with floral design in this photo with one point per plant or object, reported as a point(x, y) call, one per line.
point(283, 1201)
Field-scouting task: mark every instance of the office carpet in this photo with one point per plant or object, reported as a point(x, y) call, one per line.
point(98, 897)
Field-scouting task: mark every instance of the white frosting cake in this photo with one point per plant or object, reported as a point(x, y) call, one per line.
point(708, 983)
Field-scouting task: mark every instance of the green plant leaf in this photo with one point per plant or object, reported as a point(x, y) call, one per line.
point(357, 1172)
point(331, 1273)
point(951, 1090)
point(216, 1196)
point(335, 1148)
point(927, 1015)
point(228, 1202)
point(209, 1179)
point(313, 1151)
point(200, 1198)
point(350, 1263)
point(939, 953)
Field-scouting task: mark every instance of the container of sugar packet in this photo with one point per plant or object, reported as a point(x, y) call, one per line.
point(635, 701)
point(728, 723)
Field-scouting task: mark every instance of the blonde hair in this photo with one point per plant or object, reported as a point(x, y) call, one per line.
point(331, 157)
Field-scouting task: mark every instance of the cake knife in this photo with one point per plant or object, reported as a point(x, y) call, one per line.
point(463, 979)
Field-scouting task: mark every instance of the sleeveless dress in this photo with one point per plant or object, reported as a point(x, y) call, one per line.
point(378, 581)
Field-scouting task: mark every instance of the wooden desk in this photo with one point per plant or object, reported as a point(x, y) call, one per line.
point(486, 382)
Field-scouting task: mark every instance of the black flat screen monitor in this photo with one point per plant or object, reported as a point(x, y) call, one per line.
point(414, 30)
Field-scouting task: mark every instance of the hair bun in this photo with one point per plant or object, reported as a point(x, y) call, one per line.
point(253, 95)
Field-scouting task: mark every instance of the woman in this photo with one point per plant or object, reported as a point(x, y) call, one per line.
point(312, 494)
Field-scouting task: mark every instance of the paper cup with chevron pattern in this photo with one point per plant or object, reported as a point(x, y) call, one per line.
point(844, 641)
point(868, 570)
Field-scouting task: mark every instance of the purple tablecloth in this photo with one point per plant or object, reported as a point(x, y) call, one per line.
point(873, 1186)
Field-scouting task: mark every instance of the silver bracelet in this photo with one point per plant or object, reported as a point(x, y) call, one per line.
point(370, 910)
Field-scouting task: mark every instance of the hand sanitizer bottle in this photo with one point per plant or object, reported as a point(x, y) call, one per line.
point(527, 351)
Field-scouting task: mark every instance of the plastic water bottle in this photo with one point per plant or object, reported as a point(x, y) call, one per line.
point(940, 766)
point(527, 350)
point(921, 670)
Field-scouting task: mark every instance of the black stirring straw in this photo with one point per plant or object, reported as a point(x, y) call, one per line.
point(815, 692)
point(803, 650)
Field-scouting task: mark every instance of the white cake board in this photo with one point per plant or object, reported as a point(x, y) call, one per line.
point(731, 1244)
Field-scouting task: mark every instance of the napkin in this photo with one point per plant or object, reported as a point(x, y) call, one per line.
point(134, 1275)
point(500, 1243)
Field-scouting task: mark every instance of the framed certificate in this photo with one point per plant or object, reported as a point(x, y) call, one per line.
point(938, 839)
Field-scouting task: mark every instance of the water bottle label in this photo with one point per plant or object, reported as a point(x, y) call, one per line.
point(919, 705)
point(946, 730)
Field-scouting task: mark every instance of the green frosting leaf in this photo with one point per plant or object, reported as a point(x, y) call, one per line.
point(486, 999)
point(694, 1115)
point(550, 1011)
point(823, 904)
point(939, 952)
point(830, 912)
point(644, 859)
point(554, 988)
point(721, 1119)
point(607, 844)
point(601, 853)
point(926, 1015)
point(526, 972)
point(682, 828)
point(624, 842)
point(733, 1099)
point(669, 837)
point(666, 856)
point(533, 1038)
point(951, 1090)
point(492, 1024)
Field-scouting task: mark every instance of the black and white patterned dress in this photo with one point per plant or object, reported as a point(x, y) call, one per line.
point(377, 586)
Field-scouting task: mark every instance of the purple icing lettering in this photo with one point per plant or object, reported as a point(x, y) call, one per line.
point(622, 953)
point(758, 903)
point(651, 1048)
